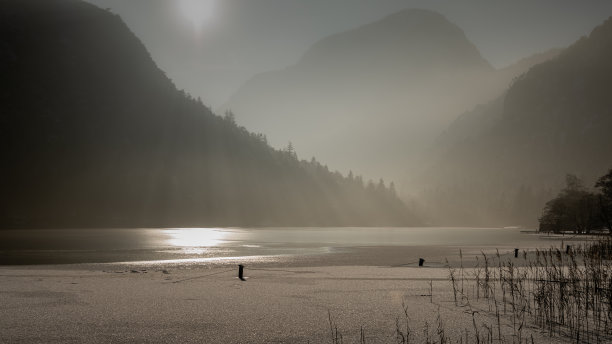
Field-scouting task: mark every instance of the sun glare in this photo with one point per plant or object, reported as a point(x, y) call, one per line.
point(197, 12)
point(195, 237)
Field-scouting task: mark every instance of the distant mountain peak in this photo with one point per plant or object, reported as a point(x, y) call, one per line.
point(421, 18)
point(400, 78)
point(418, 35)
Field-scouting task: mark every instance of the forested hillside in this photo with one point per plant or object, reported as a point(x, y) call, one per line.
point(93, 134)
point(507, 158)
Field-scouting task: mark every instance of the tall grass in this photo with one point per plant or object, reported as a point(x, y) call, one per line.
point(567, 294)
point(557, 293)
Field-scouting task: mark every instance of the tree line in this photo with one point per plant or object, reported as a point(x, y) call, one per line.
point(579, 209)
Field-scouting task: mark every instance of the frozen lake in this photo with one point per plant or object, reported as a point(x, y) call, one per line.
point(202, 245)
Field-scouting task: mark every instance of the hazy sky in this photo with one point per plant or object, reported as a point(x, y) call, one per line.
point(211, 47)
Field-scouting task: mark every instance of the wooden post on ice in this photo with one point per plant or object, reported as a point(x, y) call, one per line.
point(241, 272)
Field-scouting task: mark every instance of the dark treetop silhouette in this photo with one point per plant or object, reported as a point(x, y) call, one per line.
point(577, 209)
point(94, 134)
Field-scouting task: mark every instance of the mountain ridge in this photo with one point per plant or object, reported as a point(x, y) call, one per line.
point(401, 28)
point(374, 94)
point(94, 134)
point(553, 120)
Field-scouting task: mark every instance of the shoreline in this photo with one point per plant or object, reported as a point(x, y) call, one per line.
point(224, 246)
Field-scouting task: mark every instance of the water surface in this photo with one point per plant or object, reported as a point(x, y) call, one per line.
point(55, 246)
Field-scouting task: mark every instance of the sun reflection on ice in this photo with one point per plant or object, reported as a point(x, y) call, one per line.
point(205, 260)
point(195, 237)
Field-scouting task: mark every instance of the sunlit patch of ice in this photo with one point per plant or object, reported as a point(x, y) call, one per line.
point(195, 237)
point(191, 261)
point(197, 251)
point(202, 250)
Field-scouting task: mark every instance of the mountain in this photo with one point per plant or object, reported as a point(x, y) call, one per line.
point(369, 98)
point(523, 65)
point(93, 134)
point(506, 158)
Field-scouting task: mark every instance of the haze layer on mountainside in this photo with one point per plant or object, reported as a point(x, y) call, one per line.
point(94, 134)
point(382, 114)
point(98, 125)
point(235, 39)
point(370, 99)
point(500, 162)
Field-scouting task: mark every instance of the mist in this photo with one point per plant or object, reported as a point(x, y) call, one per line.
point(391, 93)
point(368, 88)
point(244, 38)
point(401, 95)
